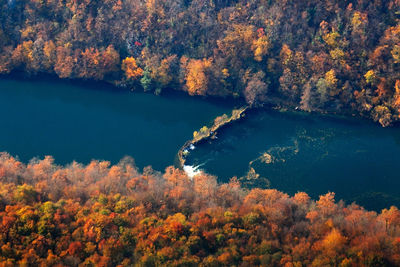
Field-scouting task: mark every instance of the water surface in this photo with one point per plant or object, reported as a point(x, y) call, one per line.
point(85, 121)
point(356, 159)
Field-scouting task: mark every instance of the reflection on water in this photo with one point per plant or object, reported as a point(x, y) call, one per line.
point(300, 152)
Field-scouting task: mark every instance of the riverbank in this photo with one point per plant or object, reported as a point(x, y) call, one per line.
point(206, 133)
point(273, 102)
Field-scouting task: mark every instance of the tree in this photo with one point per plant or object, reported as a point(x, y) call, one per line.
point(23, 55)
point(305, 102)
point(64, 64)
point(332, 81)
point(392, 218)
point(49, 51)
point(131, 69)
point(333, 245)
point(256, 90)
point(197, 76)
point(110, 60)
point(322, 89)
point(25, 194)
point(396, 54)
point(370, 77)
point(326, 204)
point(382, 115)
point(260, 46)
point(396, 97)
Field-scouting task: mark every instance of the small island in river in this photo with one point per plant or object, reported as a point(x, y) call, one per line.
point(206, 133)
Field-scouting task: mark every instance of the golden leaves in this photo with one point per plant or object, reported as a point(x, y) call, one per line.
point(330, 77)
point(260, 47)
point(132, 71)
point(196, 77)
point(370, 76)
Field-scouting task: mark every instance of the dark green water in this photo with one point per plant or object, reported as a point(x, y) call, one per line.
point(358, 160)
point(80, 122)
point(73, 121)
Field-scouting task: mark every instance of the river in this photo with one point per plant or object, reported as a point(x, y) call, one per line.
point(292, 151)
point(289, 151)
point(85, 121)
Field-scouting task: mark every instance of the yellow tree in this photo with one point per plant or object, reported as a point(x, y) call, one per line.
point(391, 218)
point(49, 51)
point(333, 245)
point(260, 47)
point(22, 54)
point(196, 78)
point(332, 81)
point(286, 56)
point(132, 70)
point(370, 77)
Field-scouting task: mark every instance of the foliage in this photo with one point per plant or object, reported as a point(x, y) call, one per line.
point(329, 56)
point(132, 71)
point(103, 215)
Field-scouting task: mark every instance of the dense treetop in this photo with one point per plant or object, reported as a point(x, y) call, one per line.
point(331, 55)
point(103, 215)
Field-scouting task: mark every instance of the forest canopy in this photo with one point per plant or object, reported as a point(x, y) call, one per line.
point(318, 55)
point(328, 56)
point(113, 215)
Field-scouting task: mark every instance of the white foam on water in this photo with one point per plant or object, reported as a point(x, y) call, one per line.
point(191, 171)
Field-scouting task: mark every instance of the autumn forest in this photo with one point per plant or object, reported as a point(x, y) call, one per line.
point(319, 56)
point(103, 215)
point(327, 56)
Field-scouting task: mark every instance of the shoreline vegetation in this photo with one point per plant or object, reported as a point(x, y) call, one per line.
point(323, 56)
point(211, 132)
point(113, 215)
point(329, 56)
point(272, 103)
